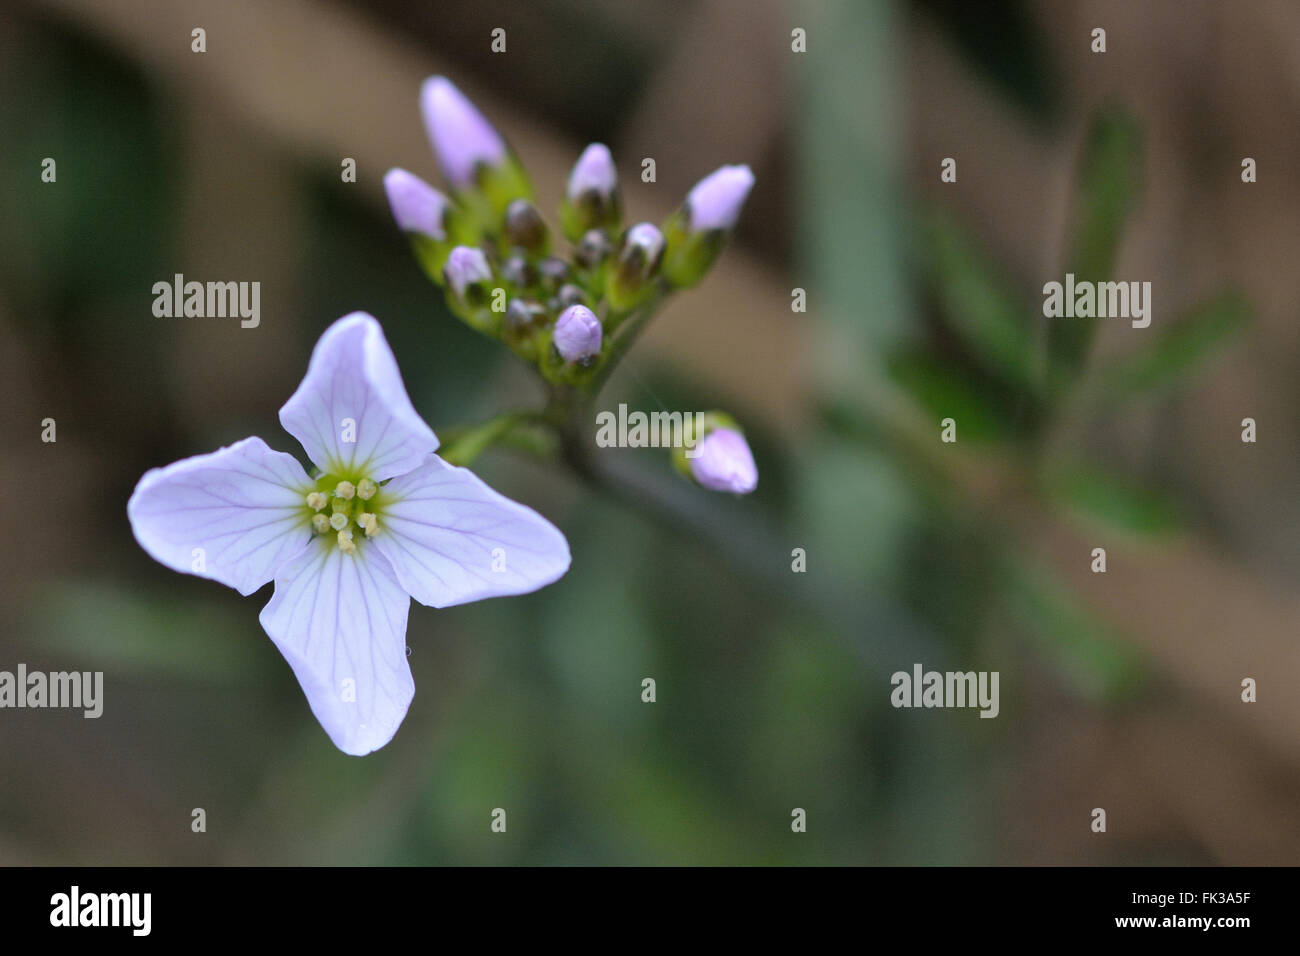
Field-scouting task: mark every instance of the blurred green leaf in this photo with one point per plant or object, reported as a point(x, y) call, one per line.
point(1088, 651)
point(1005, 45)
point(1109, 183)
point(1112, 501)
point(941, 391)
point(977, 305)
point(97, 230)
point(1171, 353)
point(175, 637)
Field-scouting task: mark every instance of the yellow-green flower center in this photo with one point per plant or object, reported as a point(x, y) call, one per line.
point(344, 509)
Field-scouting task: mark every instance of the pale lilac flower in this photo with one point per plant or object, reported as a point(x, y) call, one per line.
point(716, 200)
point(577, 334)
point(594, 172)
point(465, 266)
point(461, 137)
point(723, 462)
point(417, 206)
point(386, 521)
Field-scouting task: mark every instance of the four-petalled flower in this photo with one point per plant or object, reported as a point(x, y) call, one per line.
point(384, 521)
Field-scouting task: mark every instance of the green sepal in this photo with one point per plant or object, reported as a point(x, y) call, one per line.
point(559, 372)
point(475, 309)
point(589, 212)
point(629, 283)
point(688, 254)
point(495, 188)
point(431, 254)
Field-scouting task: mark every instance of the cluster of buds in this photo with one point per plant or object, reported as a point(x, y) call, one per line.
point(558, 306)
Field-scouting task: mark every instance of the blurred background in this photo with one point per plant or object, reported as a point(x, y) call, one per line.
point(1119, 690)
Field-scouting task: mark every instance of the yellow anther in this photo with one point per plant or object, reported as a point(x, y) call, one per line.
point(320, 523)
point(345, 541)
point(338, 521)
point(346, 490)
point(368, 523)
point(366, 489)
point(317, 500)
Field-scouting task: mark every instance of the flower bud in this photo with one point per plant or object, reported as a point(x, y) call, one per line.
point(417, 206)
point(723, 462)
point(523, 327)
point(593, 173)
point(554, 271)
point(697, 232)
point(716, 200)
point(425, 215)
point(525, 229)
point(577, 334)
point(519, 272)
point(591, 200)
point(593, 249)
point(570, 294)
point(462, 138)
point(629, 283)
point(483, 173)
point(467, 269)
point(469, 279)
point(522, 315)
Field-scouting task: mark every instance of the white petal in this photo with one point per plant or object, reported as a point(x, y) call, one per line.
point(235, 515)
point(351, 412)
point(340, 622)
point(452, 539)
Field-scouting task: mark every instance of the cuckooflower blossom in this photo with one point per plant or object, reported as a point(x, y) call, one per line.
point(577, 334)
point(384, 521)
point(723, 462)
point(461, 137)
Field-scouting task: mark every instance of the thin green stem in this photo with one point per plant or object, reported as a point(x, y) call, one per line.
point(465, 444)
